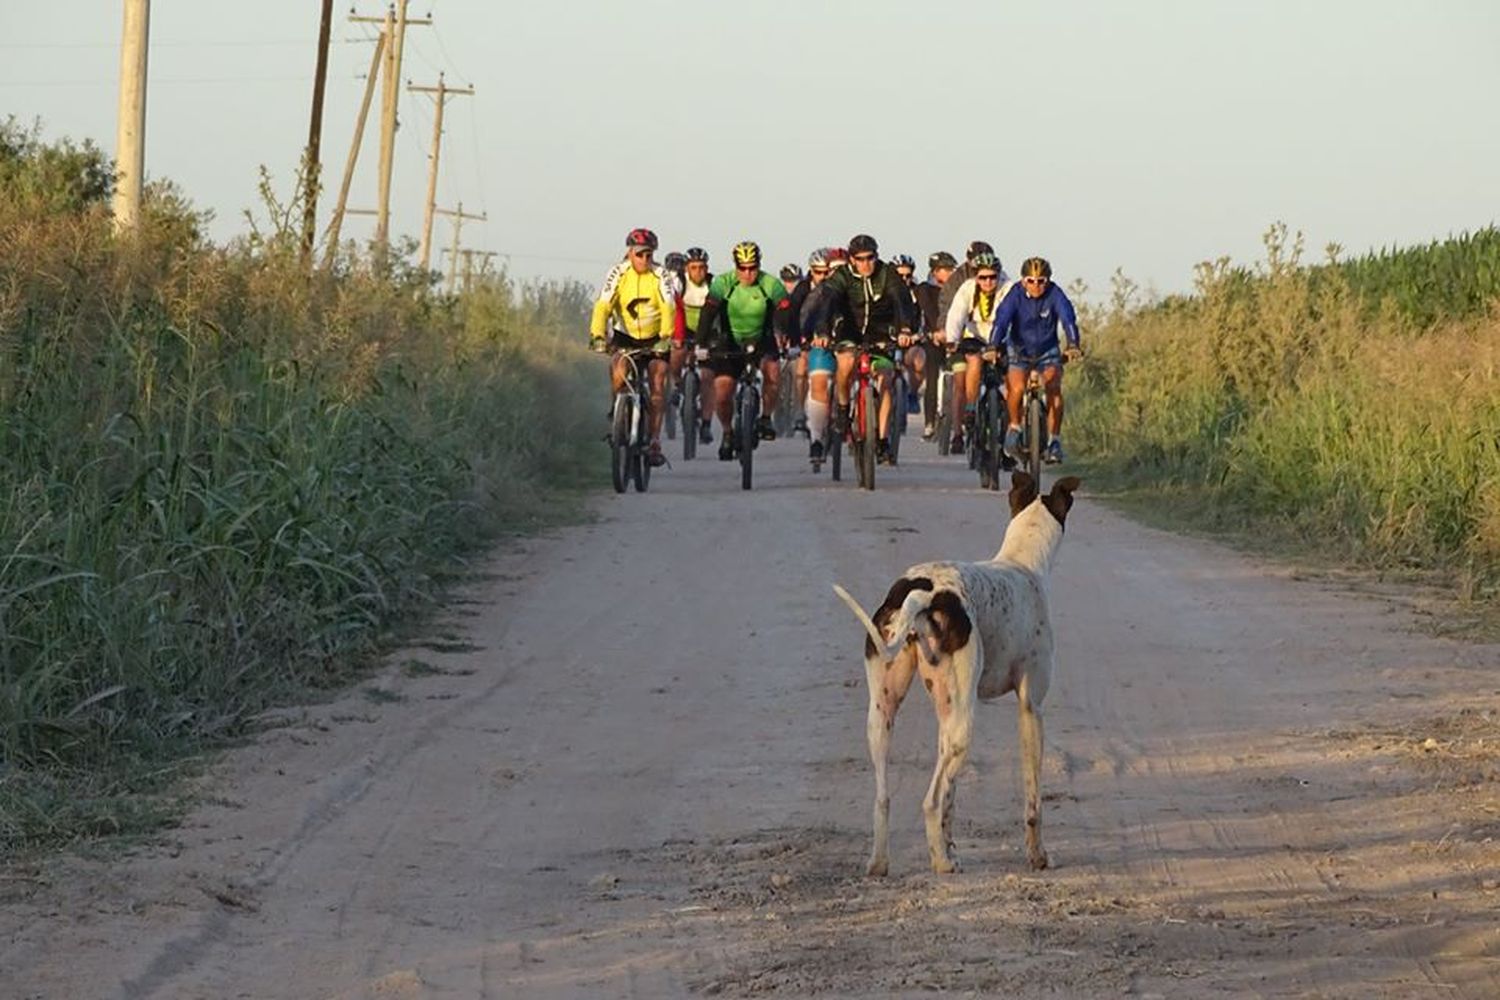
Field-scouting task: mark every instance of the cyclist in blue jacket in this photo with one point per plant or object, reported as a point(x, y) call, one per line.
point(1026, 327)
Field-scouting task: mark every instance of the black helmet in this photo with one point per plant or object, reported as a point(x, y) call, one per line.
point(863, 244)
point(1036, 267)
point(675, 262)
point(978, 247)
point(941, 259)
point(696, 255)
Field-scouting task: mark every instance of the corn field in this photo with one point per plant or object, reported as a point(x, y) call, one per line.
point(1309, 403)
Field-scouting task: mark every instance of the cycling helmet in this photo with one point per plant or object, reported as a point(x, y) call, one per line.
point(818, 258)
point(977, 247)
point(903, 260)
point(696, 255)
point(837, 256)
point(985, 262)
point(641, 239)
point(675, 262)
point(746, 254)
point(863, 244)
point(790, 275)
point(1036, 267)
point(941, 259)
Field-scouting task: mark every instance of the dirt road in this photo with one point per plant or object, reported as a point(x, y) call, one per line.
point(633, 765)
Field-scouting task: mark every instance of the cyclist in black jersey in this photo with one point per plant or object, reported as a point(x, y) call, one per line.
point(864, 305)
point(914, 360)
point(940, 266)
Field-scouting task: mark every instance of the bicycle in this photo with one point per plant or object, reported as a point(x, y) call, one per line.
point(987, 442)
point(899, 413)
point(689, 391)
point(630, 425)
point(862, 426)
point(785, 417)
point(742, 427)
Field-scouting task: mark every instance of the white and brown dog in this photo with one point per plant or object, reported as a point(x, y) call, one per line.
point(973, 630)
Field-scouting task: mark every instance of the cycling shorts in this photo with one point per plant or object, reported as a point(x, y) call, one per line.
point(959, 354)
point(1050, 359)
point(656, 345)
point(820, 359)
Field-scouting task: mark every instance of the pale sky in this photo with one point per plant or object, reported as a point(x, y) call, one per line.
point(1147, 134)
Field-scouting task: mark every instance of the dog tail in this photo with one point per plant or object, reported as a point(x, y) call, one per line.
point(910, 623)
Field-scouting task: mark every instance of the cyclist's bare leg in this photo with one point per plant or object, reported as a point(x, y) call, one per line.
point(1052, 381)
point(1015, 393)
point(817, 408)
point(883, 386)
point(799, 378)
point(973, 375)
point(724, 400)
point(658, 376)
point(956, 403)
point(770, 370)
point(916, 367)
point(677, 358)
point(844, 359)
point(617, 370)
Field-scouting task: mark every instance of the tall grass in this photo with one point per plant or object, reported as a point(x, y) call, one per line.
point(224, 481)
point(1282, 400)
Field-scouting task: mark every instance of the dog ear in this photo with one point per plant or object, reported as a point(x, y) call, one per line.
point(1023, 490)
point(1060, 500)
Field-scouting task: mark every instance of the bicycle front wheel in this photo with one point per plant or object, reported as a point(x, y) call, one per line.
point(689, 414)
point(869, 435)
point(749, 410)
point(1036, 422)
point(619, 443)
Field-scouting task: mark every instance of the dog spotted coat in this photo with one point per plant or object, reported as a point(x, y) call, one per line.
point(971, 631)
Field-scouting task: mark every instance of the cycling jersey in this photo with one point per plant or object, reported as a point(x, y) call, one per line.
point(643, 305)
point(1029, 325)
point(748, 311)
point(693, 297)
point(927, 294)
point(960, 274)
point(973, 315)
point(879, 306)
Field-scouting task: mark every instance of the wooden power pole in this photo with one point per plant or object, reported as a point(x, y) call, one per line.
point(442, 92)
point(395, 23)
point(337, 222)
point(313, 165)
point(458, 215)
point(130, 142)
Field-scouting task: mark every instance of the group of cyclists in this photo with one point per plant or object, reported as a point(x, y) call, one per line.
point(848, 301)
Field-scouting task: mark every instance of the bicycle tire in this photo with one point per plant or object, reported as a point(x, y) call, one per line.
point(836, 457)
point(748, 411)
point(669, 419)
point(870, 433)
point(689, 414)
point(1036, 419)
point(944, 421)
point(619, 443)
point(899, 416)
point(994, 452)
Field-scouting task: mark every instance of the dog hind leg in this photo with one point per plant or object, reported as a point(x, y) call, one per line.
point(1030, 731)
point(950, 685)
point(889, 681)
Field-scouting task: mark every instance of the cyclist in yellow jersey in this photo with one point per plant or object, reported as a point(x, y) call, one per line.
point(639, 298)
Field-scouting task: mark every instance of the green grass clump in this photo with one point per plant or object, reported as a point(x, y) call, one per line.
point(224, 480)
point(1283, 404)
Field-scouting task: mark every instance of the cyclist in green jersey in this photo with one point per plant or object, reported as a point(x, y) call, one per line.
point(746, 310)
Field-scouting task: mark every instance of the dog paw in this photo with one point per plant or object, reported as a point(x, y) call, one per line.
point(945, 866)
point(877, 868)
point(1039, 859)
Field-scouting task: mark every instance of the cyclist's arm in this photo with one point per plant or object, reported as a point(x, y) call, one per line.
point(828, 301)
point(958, 313)
point(1007, 316)
point(781, 311)
point(1067, 316)
point(605, 303)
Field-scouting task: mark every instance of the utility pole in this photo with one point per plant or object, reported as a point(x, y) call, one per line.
point(395, 23)
point(313, 164)
point(458, 215)
point(130, 139)
point(469, 255)
point(442, 90)
point(337, 222)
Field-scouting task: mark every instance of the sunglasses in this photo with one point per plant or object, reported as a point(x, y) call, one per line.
point(986, 277)
point(818, 271)
point(1035, 281)
point(863, 258)
point(642, 253)
point(747, 267)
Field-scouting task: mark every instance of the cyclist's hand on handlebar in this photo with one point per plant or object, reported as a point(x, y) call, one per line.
point(820, 341)
point(1073, 352)
point(903, 339)
point(598, 345)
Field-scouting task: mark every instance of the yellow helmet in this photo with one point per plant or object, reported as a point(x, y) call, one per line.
point(746, 254)
point(1036, 267)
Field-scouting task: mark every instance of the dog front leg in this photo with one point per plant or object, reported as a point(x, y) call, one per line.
point(889, 681)
point(1030, 729)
